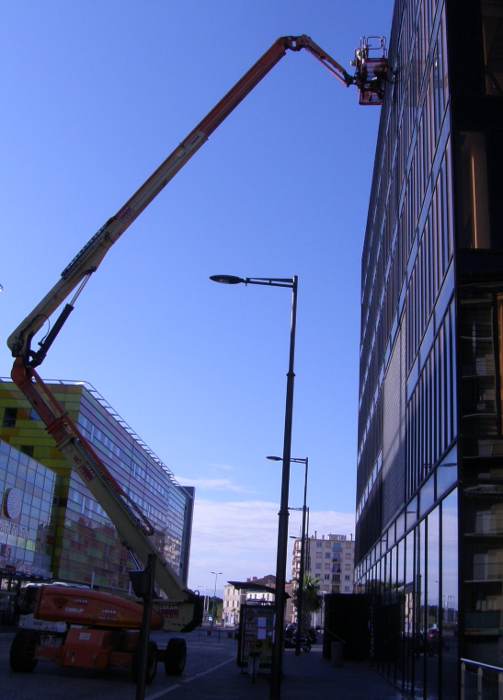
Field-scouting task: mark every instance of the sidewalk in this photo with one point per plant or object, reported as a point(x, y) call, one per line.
point(306, 676)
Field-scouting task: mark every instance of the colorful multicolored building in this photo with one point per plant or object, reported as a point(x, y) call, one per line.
point(86, 546)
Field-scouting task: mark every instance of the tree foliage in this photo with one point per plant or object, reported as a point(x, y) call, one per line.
point(311, 599)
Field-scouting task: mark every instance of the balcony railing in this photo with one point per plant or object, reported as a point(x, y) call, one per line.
point(481, 681)
point(487, 571)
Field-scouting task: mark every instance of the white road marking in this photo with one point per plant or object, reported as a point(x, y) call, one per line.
point(162, 693)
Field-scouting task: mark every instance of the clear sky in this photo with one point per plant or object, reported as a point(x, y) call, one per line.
point(96, 95)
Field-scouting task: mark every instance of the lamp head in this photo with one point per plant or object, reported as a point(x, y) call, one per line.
point(227, 279)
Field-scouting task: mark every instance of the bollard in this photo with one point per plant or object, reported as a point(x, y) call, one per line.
point(336, 653)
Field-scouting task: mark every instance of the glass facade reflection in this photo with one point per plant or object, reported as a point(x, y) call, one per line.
point(449, 596)
point(86, 547)
point(429, 536)
point(26, 528)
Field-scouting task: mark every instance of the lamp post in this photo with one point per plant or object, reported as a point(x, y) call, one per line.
point(216, 574)
point(282, 548)
point(300, 600)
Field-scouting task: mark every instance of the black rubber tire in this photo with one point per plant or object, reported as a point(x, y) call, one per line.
point(151, 663)
point(22, 651)
point(175, 656)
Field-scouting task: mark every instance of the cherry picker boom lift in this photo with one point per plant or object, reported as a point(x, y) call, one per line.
point(101, 646)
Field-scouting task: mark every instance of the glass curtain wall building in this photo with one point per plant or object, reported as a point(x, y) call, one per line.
point(429, 537)
point(26, 528)
point(86, 547)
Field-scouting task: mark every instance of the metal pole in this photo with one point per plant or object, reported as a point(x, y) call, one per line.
point(277, 650)
point(307, 561)
point(300, 596)
point(145, 626)
point(216, 574)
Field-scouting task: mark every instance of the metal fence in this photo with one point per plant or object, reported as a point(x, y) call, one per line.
point(481, 681)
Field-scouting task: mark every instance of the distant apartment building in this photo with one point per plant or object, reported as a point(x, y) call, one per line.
point(328, 559)
point(233, 599)
point(85, 546)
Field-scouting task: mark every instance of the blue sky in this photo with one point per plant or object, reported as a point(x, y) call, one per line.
point(96, 95)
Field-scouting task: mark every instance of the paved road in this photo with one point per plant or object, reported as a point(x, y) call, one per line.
point(48, 682)
point(211, 674)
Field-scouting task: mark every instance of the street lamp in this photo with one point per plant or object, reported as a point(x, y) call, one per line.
point(216, 574)
point(282, 549)
point(300, 601)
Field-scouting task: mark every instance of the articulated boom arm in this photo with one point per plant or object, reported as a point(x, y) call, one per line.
point(91, 255)
point(133, 527)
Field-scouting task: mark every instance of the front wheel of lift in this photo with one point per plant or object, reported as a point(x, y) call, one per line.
point(175, 656)
point(22, 651)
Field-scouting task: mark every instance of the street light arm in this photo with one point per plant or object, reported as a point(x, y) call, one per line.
point(297, 460)
point(266, 281)
point(271, 281)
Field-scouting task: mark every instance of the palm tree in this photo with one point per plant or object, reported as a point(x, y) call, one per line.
point(311, 599)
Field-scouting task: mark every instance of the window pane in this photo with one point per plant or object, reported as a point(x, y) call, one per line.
point(478, 370)
point(432, 641)
point(420, 581)
point(447, 472)
point(411, 514)
point(473, 206)
point(9, 417)
point(492, 26)
point(401, 602)
point(427, 495)
point(449, 596)
point(409, 612)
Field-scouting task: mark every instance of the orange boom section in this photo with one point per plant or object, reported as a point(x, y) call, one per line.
point(78, 606)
